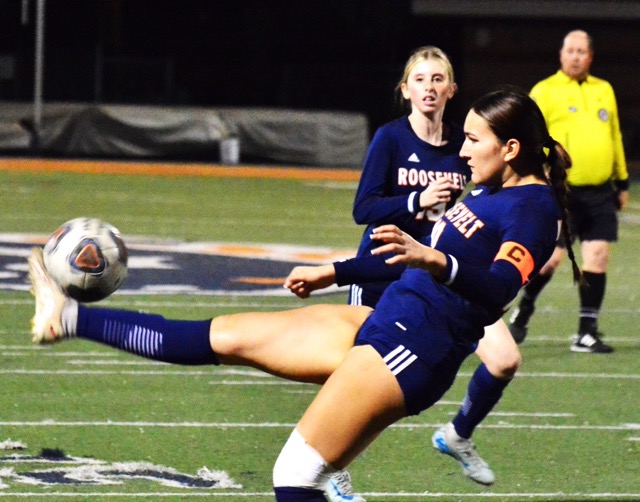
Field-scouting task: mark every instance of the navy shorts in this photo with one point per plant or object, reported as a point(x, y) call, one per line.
point(423, 383)
point(593, 213)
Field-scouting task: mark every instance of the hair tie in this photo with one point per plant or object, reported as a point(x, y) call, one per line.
point(549, 142)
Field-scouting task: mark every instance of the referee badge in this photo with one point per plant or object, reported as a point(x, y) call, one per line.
point(603, 114)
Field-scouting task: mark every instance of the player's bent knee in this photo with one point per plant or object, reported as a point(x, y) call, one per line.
point(300, 465)
point(505, 366)
point(504, 369)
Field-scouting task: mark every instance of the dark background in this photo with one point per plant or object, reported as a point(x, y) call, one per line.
point(306, 54)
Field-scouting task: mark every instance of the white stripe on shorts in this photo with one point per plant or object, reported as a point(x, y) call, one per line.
point(398, 359)
point(356, 295)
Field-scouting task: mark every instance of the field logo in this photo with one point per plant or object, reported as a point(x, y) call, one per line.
point(164, 267)
point(82, 471)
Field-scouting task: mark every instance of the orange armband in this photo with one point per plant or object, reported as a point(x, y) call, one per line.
point(518, 256)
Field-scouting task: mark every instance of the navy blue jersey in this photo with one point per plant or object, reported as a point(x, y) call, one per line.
point(496, 240)
point(398, 166)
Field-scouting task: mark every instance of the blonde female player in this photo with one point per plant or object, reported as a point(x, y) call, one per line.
point(380, 366)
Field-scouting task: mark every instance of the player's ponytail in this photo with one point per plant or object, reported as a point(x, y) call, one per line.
point(558, 161)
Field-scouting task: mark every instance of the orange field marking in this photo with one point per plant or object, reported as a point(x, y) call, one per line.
point(175, 169)
point(264, 281)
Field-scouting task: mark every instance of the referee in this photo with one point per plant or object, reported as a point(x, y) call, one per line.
point(582, 114)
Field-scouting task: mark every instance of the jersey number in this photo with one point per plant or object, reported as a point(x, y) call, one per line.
point(433, 213)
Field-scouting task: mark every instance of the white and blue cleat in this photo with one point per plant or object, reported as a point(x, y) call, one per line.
point(339, 489)
point(447, 441)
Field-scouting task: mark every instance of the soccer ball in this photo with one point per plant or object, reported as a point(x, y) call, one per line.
point(87, 258)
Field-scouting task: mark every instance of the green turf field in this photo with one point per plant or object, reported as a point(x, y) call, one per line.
point(568, 428)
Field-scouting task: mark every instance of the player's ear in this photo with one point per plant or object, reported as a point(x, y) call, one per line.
point(404, 90)
point(512, 147)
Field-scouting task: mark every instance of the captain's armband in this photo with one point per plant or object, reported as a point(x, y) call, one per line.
point(518, 256)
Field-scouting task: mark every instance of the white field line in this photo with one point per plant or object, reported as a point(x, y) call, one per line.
point(211, 370)
point(214, 303)
point(214, 372)
point(370, 495)
point(289, 425)
point(187, 303)
point(518, 414)
point(562, 337)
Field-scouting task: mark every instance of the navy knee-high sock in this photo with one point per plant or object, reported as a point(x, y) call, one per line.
point(296, 494)
point(483, 394)
point(148, 335)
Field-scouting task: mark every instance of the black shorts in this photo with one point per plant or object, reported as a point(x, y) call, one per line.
point(593, 213)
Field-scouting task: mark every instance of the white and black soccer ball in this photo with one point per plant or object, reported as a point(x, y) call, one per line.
point(87, 257)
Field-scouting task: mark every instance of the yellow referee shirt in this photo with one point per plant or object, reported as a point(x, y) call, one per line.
point(583, 117)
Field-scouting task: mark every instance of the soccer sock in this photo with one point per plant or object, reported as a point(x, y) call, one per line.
point(483, 393)
point(535, 287)
point(591, 297)
point(69, 318)
point(148, 335)
point(296, 494)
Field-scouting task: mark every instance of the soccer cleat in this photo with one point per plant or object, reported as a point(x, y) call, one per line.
point(447, 441)
point(46, 324)
point(339, 489)
point(590, 342)
point(519, 320)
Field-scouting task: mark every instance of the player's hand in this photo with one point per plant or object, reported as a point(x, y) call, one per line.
point(407, 250)
point(437, 192)
point(302, 280)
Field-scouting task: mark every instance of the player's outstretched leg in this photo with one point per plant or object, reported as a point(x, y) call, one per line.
point(151, 336)
point(305, 344)
point(446, 440)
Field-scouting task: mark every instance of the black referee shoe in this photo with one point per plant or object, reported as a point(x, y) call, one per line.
point(519, 320)
point(590, 342)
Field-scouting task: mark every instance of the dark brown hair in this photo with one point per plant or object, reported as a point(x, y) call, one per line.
point(512, 114)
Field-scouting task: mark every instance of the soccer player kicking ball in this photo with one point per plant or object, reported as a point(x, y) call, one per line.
point(377, 366)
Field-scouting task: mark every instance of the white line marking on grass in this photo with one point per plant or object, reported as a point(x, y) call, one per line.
point(373, 495)
point(531, 496)
point(517, 414)
point(64, 354)
point(214, 302)
point(187, 302)
point(98, 362)
point(542, 338)
point(100, 495)
point(253, 382)
point(215, 371)
point(578, 375)
point(212, 372)
point(268, 425)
